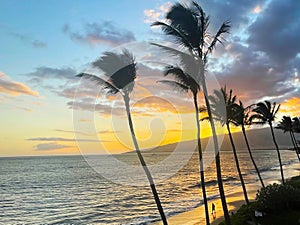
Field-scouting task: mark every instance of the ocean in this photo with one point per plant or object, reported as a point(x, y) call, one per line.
point(66, 190)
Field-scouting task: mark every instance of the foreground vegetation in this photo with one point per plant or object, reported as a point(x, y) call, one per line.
point(279, 204)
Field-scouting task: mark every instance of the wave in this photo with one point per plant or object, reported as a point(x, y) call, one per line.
point(213, 182)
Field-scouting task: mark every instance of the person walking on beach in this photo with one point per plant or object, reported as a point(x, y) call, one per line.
point(213, 210)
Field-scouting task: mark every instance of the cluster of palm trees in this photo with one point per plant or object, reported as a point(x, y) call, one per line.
point(187, 25)
point(292, 126)
point(261, 113)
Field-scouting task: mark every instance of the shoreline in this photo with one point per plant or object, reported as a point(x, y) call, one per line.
point(197, 216)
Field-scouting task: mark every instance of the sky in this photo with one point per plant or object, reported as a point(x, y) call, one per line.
point(46, 110)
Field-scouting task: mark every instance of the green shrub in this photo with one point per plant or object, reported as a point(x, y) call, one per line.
point(295, 182)
point(278, 197)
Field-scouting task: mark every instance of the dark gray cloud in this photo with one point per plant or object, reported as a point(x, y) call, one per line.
point(26, 39)
point(276, 31)
point(53, 79)
point(101, 33)
point(235, 11)
point(50, 146)
point(44, 72)
point(254, 76)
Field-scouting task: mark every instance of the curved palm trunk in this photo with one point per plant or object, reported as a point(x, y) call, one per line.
point(143, 163)
point(202, 179)
point(251, 156)
point(295, 144)
point(278, 153)
point(217, 154)
point(238, 165)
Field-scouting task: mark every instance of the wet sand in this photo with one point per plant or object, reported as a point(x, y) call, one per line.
point(197, 215)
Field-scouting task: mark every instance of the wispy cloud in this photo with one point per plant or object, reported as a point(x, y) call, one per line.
point(72, 132)
point(100, 33)
point(43, 73)
point(27, 39)
point(50, 146)
point(63, 139)
point(14, 88)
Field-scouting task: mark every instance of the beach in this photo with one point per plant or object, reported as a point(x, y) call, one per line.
point(197, 215)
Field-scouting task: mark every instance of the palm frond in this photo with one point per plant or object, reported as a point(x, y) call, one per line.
point(185, 19)
point(176, 85)
point(225, 27)
point(120, 68)
point(111, 89)
point(172, 31)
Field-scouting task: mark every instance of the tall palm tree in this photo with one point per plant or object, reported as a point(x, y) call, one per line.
point(227, 118)
point(286, 125)
point(188, 27)
point(184, 81)
point(296, 129)
point(265, 112)
point(120, 70)
point(242, 119)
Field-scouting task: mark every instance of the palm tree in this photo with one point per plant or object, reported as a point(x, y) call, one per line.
point(286, 125)
point(265, 112)
point(184, 81)
point(296, 129)
point(227, 118)
point(241, 119)
point(120, 69)
point(188, 27)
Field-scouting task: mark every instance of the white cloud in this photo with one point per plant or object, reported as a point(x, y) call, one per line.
point(152, 15)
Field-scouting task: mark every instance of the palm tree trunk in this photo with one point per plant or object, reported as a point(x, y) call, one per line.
point(202, 179)
point(238, 165)
point(294, 143)
point(143, 163)
point(278, 153)
point(251, 156)
point(297, 146)
point(217, 154)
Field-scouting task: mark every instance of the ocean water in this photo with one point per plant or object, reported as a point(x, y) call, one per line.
point(66, 190)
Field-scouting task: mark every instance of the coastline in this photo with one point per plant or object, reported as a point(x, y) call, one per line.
point(197, 216)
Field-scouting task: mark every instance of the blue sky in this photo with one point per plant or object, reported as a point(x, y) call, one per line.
point(45, 43)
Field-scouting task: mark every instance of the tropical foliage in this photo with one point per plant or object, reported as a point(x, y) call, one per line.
point(218, 100)
point(184, 81)
point(242, 118)
point(286, 125)
point(265, 112)
point(188, 25)
point(120, 71)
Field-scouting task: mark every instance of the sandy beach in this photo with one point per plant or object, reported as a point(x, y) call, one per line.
point(197, 215)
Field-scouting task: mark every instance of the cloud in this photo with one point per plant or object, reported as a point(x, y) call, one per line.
point(72, 132)
point(290, 107)
point(53, 79)
point(50, 146)
point(14, 88)
point(276, 31)
point(253, 76)
point(101, 33)
point(26, 39)
point(42, 73)
point(160, 105)
point(152, 15)
point(62, 139)
point(105, 107)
